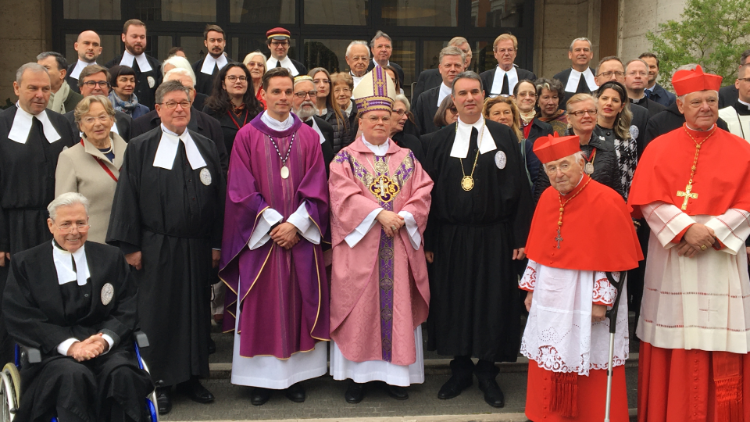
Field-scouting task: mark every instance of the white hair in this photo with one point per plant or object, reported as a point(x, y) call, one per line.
point(178, 62)
point(403, 99)
point(65, 200)
point(349, 47)
point(578, 156)
point(255, 53)
point(682, 97)
point(580, 39)
point(180, 71)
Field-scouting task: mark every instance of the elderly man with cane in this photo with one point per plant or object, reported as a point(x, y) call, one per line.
point(582, 240)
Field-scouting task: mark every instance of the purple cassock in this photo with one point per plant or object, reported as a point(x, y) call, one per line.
point(284, 295)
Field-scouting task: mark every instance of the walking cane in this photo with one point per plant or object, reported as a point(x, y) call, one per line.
point(612, 315)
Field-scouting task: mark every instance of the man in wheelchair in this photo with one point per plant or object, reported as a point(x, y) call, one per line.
point(76, 303)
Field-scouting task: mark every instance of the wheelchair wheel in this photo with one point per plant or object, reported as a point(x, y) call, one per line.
point(15, 377)
point(8, 396)
point(151, 405)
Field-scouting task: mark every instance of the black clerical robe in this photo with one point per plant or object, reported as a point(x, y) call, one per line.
point(145, 82)
point(204, 83)
point(409, 141)
point(41, 313)
point(123, 121)
point(488, 78)
point(230, 124)
point(651, 106)
point(199, 122)
point(326, 146)
point(474, 305)
point(728, 95)
point(174, 217)
point(425, 109)
point(583, 87)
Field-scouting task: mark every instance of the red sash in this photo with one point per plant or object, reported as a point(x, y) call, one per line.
point(104, 166)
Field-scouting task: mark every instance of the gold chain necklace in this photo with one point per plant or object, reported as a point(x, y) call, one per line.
point(562, 210)
point(467, 182)
point(688, 193)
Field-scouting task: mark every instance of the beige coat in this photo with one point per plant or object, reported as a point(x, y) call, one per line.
point(78, 171)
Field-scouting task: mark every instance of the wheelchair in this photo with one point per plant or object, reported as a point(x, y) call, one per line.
point(10, 379)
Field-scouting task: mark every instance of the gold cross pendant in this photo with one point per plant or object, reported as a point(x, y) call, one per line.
point(688, 194)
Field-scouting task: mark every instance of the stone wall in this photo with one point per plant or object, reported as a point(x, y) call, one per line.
point(637, 17)
point(26, 31)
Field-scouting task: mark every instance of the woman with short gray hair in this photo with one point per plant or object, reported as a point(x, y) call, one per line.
point(92, 167)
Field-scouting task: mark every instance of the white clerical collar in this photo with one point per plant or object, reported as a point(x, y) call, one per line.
point(64, 265)
point(316, 128)
point(575, 78)
point(356, 78)
point(349, 109)
point(167, 150)
point(275, 124)
point(743, 103)
point(143, 64)
point(574, 187)
point(497, 82)
point(286, 62)
point(80, 65)
point(19, 132)
point(698, 130)
point(445, 91)
point(463, 135)
point(209, 62)
point(378, 150)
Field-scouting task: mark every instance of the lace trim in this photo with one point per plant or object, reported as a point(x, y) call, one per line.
point(604, 292)
point(548, 358)
point(528, 281)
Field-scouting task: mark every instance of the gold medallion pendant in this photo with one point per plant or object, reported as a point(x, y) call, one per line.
point(467, 183)
point(284, 172)
point(384, 188)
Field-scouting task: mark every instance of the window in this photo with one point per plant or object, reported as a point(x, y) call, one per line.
point(272, 13)
point(497, 13)
point(334, 12)
point(330, 54)
point(92, 9)
point(420, 12)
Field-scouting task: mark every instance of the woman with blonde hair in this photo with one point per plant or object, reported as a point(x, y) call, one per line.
point(92, 167)
point(255, 63)
point(343, 86)
point(326, 106)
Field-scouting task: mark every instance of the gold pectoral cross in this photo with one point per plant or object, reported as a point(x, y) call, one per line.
point(687, 194)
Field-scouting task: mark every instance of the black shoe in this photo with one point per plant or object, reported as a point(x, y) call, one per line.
point(211, 346)
point(355, 393)
point(259, 396)
point(493, 395)
point(163, 400)
point(398, 393)
point(296, 393)
point(453, 388)
point(195, 391)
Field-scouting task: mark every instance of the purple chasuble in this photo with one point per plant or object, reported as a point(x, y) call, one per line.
point(283, 294)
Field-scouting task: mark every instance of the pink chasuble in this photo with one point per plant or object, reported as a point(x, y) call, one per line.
point(379, 288)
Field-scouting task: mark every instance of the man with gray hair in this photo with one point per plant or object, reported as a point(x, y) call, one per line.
point(303, 105)
point(431, 78)
point(382, 48)
point(358, 58)
point(505, 76)
point(452, 61)
point(62, 98)
point(579, 78)
point(167, 218)
point(31, 138)
point(75, 301)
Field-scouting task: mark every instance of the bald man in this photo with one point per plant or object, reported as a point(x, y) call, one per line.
point(89, 48)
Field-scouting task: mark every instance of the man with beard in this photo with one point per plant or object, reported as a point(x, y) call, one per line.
point(303, 106)
point(580, 77)
point(279, 41)
point(208, 67)
point(147, 69)
point(358, 58)
point(654, 91)
point(451, 64)
point(94, 81)
point(31, 138)
point(89, 48)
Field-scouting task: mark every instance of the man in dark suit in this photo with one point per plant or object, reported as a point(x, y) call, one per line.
point(381, 46)
point(199, 121)
point(76, 302)
point(62, 98)
point(452, 61)
point(94, 82)
point(729, 94)
point(208, 67)
point(303, 105)
point(431, 78)
point(147, 69)
point(636, 77)
point(278, 41)
point(654, 91)
point(89, 48)
point(579, 78)
point(503, 78)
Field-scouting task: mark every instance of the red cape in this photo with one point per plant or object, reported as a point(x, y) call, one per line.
point(598, 233)
point(722, 177)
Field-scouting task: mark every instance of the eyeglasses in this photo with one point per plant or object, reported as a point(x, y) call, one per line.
point(341, 90)
point(92, 84)
point(279, 43)
point(453, 110)
point(744, 79)
point(68, 226)
point(360, 58)
point(552, 169)
point(505, 50)
point(400, 112)
point(375, 119)
point(303, 94)
point(582, 112)
point(325, 81)
point(634, 73)
point(103, 118)
point(610, 73)
point(173, 104)
point(232, 78)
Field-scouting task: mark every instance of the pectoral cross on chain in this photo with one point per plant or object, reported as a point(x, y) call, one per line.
point(558, 238)
point(688, 194)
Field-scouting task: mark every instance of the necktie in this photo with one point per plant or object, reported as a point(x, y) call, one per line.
point(648, 93)
point(278, 63)
point(506, 85)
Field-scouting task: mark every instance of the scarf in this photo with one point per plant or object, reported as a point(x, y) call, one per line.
point(57, 100)
point(557, 114)
point(526, 118)
point(237, 110)
point(124, 106)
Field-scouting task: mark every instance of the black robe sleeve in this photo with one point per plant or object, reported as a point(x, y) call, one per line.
point(125, 220)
